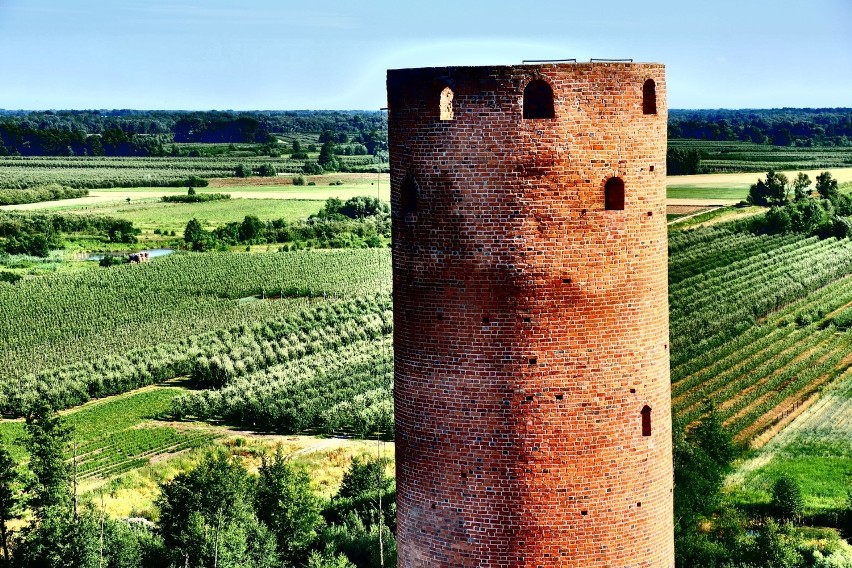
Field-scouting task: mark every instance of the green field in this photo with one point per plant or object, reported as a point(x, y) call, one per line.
point(150, 215)
point(721, 157)
point(101, 172)
point(299, 342)
point(815, 449)
point(87, 317)
point(692, 191)
point(119, 434)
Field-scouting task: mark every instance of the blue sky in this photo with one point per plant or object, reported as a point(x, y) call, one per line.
point(282, 54)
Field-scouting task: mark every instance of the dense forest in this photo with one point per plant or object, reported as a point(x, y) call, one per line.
point(144, 133)
point(806, 127)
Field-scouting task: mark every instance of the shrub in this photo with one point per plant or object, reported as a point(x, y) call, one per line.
point(299, 180)
point(312, 168)
point(9, 277)
point(266, 170)
point(242, 171)
point(787, 500)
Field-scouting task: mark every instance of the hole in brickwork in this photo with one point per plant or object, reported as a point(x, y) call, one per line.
point(584, 513)
point(639, 504)
point(646, 420)
point(408, 193)
point(538, 100)
point(533, 360)
point(614, 194)
point(650, 168)
point(446, 104)
point(632, 391)
point(650, 213)
point(649, 97)
point(486, 321)
point(566, 280)
point(560, 396)
point(527, 320)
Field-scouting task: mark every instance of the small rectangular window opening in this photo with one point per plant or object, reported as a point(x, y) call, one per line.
point(646, 421)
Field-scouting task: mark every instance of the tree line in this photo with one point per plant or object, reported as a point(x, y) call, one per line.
point(356, 223)
point(217, 514)
point(712, 534)
point(36, 234)
point(796, 208)
point(144, 133)
point(780, 127)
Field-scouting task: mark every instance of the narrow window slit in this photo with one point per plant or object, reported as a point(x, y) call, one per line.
point(649, 97)
point(408, 194)
point(646, 420)
point(614, 194)
point(446, 104)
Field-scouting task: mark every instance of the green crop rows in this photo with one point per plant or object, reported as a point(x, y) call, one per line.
point(722, 157)
point(758, 323)
point(100, 172)
point(753, 324)
point(108, 437)
point(59, 329)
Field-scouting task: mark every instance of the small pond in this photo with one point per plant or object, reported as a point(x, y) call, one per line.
point(152, 253)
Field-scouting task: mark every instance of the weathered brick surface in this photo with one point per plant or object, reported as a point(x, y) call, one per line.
point(531, 324)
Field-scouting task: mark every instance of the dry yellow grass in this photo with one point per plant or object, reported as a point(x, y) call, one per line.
point(326, 459)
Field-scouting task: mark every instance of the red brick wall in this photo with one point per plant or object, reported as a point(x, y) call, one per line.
point(531, 324)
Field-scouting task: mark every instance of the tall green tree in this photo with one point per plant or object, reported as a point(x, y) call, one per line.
point(787, 499)
point(9, 501)
point(44, 543)
point(800, 187)
point(286, 503)
point(207, 520)
point(826, 185)
point(775, 190)
point(327, 158)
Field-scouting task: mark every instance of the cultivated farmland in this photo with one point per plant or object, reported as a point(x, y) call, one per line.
point(815, 449)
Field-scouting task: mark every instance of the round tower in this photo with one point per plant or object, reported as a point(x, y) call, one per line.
point(533, 410)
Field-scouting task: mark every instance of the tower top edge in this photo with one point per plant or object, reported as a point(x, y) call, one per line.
point(527, 67)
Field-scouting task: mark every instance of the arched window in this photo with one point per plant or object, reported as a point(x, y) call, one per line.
point(538, 100)
point(408, 193)
point(446, 104)
point(646, 421)
point(649, 97)
point(614, 194)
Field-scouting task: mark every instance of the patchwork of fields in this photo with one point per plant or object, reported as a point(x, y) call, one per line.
point(300, 342)
point(815, 449)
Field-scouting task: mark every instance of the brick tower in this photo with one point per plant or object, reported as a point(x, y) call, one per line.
point(533, 411)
